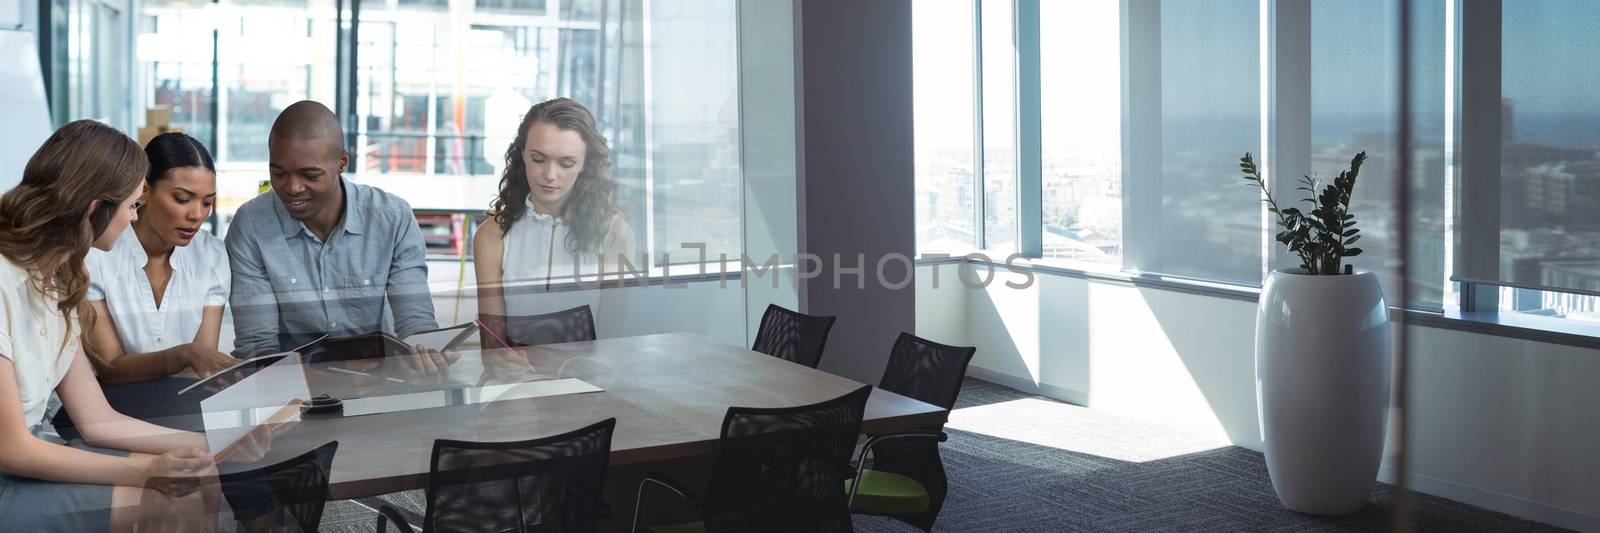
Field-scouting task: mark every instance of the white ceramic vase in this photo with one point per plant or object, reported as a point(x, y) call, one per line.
point(1322, 384)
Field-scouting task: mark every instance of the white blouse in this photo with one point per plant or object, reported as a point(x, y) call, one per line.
point(535, 258)
point(34, 337)
point(200, 279)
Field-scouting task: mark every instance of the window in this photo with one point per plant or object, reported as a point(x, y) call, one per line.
point(1530, 224)
point(268, 58)
point(85, 77)
point(1203, 224)
point(999, 101)
point(1354, 107)
point(694, 129)
point(1146, 105)
point(179, 76)
point(1081, 145)
point(942, 70)
point(438, 95)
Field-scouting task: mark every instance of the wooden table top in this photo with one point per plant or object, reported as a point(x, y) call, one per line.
point(668, 392)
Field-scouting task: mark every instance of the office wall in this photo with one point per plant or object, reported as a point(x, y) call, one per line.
point(18, 15)
point(856, 179)
point(22, 96)
point(1502, 423)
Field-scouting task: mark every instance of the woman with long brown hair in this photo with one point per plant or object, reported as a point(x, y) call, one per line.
point(554, 218)
point(156, 298)
point(79, 190)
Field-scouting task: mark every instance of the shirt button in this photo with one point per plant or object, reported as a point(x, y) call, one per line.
point(366, 282)
point(292, 281)
point(324, 290)
point(333, 324)
point(43, 332)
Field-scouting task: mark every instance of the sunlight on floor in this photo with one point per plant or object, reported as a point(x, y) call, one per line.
point(1077, 429)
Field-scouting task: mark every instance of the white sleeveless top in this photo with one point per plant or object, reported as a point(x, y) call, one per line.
point(535, 259)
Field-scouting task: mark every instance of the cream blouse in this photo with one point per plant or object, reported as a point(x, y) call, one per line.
point(34, 337)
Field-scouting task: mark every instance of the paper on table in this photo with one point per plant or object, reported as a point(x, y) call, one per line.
point(254, 401)
point(466, 396)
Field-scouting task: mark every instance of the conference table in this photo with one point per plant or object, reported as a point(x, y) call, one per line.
point(668, 392)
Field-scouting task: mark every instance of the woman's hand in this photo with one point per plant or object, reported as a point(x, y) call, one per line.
point(253, 446)
point(504, 366)
point(179, 472)
point(206, 360)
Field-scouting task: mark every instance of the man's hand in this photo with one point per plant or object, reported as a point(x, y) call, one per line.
point(426, 362)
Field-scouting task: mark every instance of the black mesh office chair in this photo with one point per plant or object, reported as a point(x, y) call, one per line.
point(791, 336)
point(571, 325)
point(297, 488)
point(906, 479)
point(549, 485)
point(777, 470)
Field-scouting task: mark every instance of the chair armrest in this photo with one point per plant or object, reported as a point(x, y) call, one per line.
point(386, 514)
point(660, 480)
point(875, 438)
point(669, 484)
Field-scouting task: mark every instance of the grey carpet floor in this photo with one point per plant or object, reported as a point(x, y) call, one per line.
point(1019, 462)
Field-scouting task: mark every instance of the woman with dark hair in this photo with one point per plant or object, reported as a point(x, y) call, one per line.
point(158, 295)
point(79, 190)
point(554, 218)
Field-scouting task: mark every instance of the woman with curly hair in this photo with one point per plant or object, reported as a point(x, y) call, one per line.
point(554, 219)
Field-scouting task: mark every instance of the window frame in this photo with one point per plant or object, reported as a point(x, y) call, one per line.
point(1285, 143)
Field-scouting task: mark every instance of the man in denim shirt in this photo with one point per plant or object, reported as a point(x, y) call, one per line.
point(318, 254)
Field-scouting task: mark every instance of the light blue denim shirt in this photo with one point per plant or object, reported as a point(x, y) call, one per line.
point(289, 287)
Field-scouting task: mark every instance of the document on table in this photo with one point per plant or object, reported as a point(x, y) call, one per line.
point(467, 396)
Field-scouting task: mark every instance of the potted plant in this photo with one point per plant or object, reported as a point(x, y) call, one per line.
point(1322, 354)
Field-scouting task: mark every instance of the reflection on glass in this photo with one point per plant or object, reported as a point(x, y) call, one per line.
point(942, 95)
point(1210, 114)
point(178, 73)
point(270, 57)
point(441, 94)
point(440, 88)
point(999, 126)
point(693, 121)
point(1355, 53)
point(1550, 155)
point(87, 75)
point(1080, 71)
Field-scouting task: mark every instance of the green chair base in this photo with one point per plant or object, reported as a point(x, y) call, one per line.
point(887, 493)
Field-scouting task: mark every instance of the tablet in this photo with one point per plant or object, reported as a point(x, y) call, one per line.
point(217, 380)
point(258, 403)
point(370, 345)
point(444, 339)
